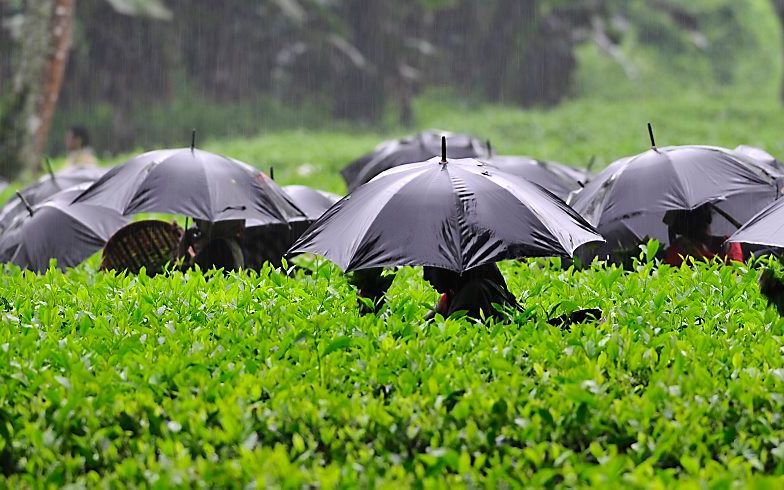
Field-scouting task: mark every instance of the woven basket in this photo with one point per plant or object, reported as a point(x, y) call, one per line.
point(150, 244)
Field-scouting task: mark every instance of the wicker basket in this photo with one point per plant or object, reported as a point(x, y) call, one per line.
point(150, 244)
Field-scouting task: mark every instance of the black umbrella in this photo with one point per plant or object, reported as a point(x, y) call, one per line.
point(45, 188)
point(193, 183)
point(57, 229)
point(455, 215)
point(555, 177)
point(760, 156)
point(415, 148)
point(312, 202)
point(765, 228)
point(627, 201)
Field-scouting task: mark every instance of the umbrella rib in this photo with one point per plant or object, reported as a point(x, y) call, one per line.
point(362, 237)
point(531, 206)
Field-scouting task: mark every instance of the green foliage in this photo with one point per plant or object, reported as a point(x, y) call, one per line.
point(222, 381)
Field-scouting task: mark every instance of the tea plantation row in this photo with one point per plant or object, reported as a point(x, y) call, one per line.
point(268, 379)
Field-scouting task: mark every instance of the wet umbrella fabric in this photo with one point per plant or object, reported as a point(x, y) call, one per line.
point(191, 182)
point(312, 202)
point(765, 228)
point(59, 230)
point(457, 216)
point(410, 149)
point(45, 188)
point(759, 156)
point(554, 177)
point(627, 201)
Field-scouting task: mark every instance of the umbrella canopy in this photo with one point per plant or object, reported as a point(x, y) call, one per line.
point(759, 156)
point(193, 183)
point(312, 202)
point(455, 215)
point(57, 229)
point(627, 201)
point(554, 177)
point(766, 228)
point(410, 149)
point(45, 188)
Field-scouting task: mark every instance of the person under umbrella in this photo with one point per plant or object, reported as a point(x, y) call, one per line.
point(208, 187)
point(415, 148)
point(628, 200)
point(691, 229)
point(476, 291)
point(45, 188)
point(455, 215)
point(58, 229)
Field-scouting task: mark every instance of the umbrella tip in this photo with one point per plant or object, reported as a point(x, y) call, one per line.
point(25, 202)
point(443, 149)
point(193, 139)
point(272, 173)
point(489, 148)
point(48, 162)
point(650, 134)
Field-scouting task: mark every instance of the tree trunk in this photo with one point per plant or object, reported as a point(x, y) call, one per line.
point(41, 56)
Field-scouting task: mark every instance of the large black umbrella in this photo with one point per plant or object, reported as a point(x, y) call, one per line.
point(456, 215)
point(555, 177)
point(312, 202)
point(45, 188)
point(627, 201)
point(410, 149)
point(57, 229)
point(193, 183)
point(765, 228)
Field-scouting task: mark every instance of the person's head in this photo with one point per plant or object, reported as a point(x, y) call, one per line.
point(442, 280)
point(228, 228)
point(694, 223)
point(77, 138)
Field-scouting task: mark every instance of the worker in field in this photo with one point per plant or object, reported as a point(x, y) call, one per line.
point(480, 292)
point(772, 288)
point(213, 245)
point(371, 284)
point(77, 144)
point(690, 237)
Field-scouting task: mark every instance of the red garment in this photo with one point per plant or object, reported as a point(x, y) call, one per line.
point(442, 307)
point(682, 247)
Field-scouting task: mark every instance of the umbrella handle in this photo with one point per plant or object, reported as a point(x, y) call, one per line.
point(650, 135)
point(726, 216)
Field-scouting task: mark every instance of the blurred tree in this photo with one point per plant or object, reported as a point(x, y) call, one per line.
point(41, 53)
point(39, 64)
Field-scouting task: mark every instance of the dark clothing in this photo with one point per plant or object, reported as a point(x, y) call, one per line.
point(372, 285)
point(213, 245)
point(773, 289)
point(479, 292)
point(713, 247)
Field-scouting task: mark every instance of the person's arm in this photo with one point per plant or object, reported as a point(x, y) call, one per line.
point(674, 255)
point(441, 308)
point(733, 252)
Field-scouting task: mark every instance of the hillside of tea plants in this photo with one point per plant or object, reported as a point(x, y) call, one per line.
point(275, 379)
